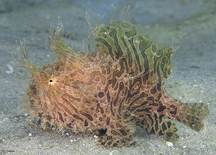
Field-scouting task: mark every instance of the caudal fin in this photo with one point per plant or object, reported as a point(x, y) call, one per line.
point(192, 115)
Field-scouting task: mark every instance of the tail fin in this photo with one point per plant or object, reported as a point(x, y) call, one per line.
point(192, 115)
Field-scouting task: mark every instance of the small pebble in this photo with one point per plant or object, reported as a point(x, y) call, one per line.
point(10, 71)
point(95, 137)
point(170, 144)
point(67, 134)
point(30, 134)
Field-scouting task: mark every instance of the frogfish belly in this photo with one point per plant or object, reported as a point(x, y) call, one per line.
point(113, 89)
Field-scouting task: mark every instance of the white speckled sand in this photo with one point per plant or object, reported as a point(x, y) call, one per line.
point(188, 23)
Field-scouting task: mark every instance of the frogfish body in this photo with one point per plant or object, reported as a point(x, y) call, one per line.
point(117, 87)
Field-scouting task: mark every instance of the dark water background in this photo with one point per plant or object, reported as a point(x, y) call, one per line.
point(187, 24)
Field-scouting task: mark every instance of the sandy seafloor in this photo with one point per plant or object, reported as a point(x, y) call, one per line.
point(190, 24)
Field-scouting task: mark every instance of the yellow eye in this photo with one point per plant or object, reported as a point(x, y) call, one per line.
point(51, 81)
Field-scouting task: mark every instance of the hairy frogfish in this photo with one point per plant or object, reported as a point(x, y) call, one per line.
point(113, 89)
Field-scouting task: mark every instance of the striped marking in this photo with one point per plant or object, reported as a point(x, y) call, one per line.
point(128, 41)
